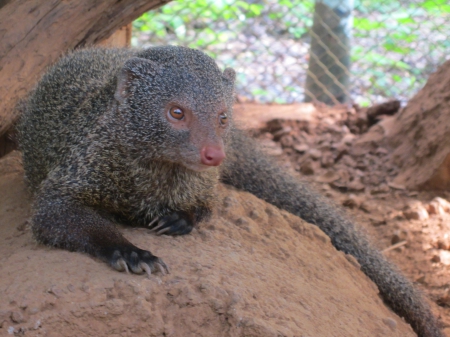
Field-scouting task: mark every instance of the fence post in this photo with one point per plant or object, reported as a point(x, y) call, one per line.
point(329, 56)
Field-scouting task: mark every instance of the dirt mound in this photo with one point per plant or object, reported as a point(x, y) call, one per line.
point(339, 153)
point(420, 135)
point(252, 270)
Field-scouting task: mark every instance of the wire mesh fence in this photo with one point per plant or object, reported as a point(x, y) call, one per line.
point(333, 51)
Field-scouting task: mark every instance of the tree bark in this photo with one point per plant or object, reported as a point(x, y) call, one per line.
point(33, 34)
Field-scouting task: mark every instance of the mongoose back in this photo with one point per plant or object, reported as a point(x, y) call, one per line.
point(142, 137)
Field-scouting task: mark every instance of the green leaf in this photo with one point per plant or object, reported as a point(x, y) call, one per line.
point(405, 21)
point(366, 24)
point(396, 78)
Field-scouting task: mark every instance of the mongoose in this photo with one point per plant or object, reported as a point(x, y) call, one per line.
point(143, 137)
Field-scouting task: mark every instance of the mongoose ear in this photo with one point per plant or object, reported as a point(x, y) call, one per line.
point(133, 68)
point(230, 75)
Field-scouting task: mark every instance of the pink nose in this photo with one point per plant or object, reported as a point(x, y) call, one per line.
point(212, 155)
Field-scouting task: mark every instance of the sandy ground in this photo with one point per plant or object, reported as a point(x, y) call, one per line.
point(347, 160)
point(251, 270)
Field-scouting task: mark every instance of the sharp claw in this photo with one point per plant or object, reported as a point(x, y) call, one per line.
point(121, 263)
point(153, 221)
point(154, 229)
point(162, 267)
point(162, 231)
point(146, 268)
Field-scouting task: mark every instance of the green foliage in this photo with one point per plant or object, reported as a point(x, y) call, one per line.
point(436, 6)
point(207, 24)
point(179, 17)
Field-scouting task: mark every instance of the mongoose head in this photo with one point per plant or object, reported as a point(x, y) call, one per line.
point(176, 106)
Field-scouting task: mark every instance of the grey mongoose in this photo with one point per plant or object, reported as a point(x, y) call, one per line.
point(143, 137)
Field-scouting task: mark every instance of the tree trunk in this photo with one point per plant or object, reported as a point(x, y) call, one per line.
point(33, 34)
point(329, 55)
point(420, 136)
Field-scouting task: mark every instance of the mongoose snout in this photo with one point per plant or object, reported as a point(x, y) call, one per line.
point(212, 155)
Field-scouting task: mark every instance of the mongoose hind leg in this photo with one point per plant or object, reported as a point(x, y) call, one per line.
point(62, 222)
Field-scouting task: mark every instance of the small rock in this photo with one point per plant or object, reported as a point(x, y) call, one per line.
point(327, 160)
point(396, 186)
point(434, 208)
point(377, 220)
point(355, 186)
point(444, 300)
point(383, 188)
point(307, 168)
point(287, 141)
point(342, 150)
point(56, 291)
point(301, 148)
point(365, 207)
point(36, 325)
point(348, 139)
point(443, 244)
point(33, 310)
point(276, 151)
point(315, 154)
point(381, 150)
point(328, 177)
point(352, 201)
point(436, 258)
point(17, 317)
point(361, 165)
point(229, 202)
point(4, 317)
point(444, 203)
point(416, 211)
point(242, 221)
point(283, 131)
point(348, 161)
point(398, 236)
point(115, 306)
point(390, 322)
point(421, 279)
point(339, 185)
point(444, 255)
point(255, 214)
point(438, 206)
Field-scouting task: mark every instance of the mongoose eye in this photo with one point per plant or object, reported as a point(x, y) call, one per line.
point(223, 119)
point(176, 113)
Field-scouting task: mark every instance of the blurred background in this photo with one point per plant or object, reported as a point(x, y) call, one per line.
point(331, 51)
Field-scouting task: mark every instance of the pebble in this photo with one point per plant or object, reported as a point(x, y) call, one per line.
point(436, 258)
point(315, 154)
point(17, 317)
point(390, 322)
point(438, 206)
point(416, 211)
point(351, 202)
point(356, 186)
point(307, 168)
point(301, 148)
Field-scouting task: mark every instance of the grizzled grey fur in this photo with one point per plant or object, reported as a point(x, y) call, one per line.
point(98, 149)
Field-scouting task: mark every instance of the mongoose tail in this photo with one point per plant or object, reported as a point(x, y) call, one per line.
point(249, 169)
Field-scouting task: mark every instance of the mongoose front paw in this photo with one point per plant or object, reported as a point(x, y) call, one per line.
point(138, 260)
point(177, 223)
